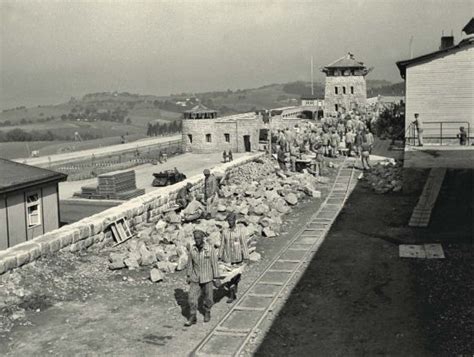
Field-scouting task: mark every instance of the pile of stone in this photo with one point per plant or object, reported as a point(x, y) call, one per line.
point(385, 176)
point(254, 192)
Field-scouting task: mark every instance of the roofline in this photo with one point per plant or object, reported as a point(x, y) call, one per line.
point(58, 178)
point(402, 65)
point(331, 65)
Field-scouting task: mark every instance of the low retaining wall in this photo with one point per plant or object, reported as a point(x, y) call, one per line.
point(94, 229)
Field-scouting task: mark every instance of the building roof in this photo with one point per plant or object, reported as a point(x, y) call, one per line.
point(309, 97)
point(200, 109)
point(402, 65)
point(347, 61)
point(15, 176)
point(469, 28)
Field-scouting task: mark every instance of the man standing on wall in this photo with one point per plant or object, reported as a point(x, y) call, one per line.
point(202, 274)
point(210, 186)
point(419, 128)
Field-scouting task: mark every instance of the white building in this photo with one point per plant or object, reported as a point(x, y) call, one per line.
point(439, 86)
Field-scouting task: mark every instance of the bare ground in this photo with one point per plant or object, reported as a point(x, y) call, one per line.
point(72, 304)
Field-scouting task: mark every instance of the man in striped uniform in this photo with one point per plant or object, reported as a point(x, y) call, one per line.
point(233, 250)
point(202, 272)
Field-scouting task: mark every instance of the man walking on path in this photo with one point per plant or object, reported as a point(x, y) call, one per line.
point(419, 128)
point(233, 250)
point(370, 139)
point(202, 273)
point(365, 155)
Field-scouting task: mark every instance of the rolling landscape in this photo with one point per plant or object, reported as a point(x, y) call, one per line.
point(100, 119)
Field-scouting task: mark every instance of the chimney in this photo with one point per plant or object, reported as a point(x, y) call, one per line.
point(446, 41)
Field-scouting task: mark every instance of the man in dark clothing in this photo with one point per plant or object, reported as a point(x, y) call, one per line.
point(462, 136)
point(202, 273)
point(282, 159)
point(184, 196)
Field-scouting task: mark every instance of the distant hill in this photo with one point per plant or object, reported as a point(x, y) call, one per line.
point(118, 113)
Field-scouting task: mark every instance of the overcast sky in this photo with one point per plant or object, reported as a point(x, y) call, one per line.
point(51, 50)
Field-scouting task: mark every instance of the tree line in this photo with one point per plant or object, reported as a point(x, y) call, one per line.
point(157, 129)
point(91, 113)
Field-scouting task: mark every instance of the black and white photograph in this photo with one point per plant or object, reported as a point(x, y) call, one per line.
point(236, 178)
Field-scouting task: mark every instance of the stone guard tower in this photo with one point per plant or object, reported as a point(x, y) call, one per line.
point(345, 85)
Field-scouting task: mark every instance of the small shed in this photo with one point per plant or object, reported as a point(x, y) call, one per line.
point(29, 202)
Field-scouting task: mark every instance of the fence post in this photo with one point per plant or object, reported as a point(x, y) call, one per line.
point(441, 133)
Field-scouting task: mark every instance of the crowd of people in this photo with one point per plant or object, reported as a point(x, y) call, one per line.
point(345, 134)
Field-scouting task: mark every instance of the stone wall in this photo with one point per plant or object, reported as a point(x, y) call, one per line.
point(282, 123)
point(347, 101)
point(217, 129)
point(95, 229)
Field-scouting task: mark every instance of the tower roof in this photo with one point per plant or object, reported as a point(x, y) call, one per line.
point(347, 61)
point(200, 108)
point(469, 28)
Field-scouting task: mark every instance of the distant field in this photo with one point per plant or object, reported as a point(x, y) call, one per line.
point(15, 150)
point(141, 116)
point(35, 112)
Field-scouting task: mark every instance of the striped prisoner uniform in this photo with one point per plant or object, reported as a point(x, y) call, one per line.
point(202, 270)
point(233, 247)
point(233, 250)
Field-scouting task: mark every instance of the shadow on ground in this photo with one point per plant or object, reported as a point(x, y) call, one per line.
point(358, 298)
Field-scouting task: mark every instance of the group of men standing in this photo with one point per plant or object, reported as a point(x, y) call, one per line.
point(345, 134)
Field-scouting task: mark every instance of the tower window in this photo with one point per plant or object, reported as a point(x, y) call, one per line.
point(336, 91)
point(344, 90)
point(352, 90)
point(227, 138)
point(208, 138)
point(190, 138)
point(336, 106)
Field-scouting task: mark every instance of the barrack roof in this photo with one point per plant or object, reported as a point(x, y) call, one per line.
point(402, 65)
point(15, 176)
point(469, 28)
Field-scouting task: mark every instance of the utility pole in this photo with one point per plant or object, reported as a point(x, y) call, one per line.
point(411, 46)
point(312, 77)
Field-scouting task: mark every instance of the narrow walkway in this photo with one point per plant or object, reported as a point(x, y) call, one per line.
point(231, 335)
point(422, 213)
point(44, 161)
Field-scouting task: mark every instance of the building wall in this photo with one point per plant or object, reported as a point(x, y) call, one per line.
point(13, 215)
point(235, 128)
point(442, 90)
point(15, 203)
point(50, 201)
point(348, 101)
